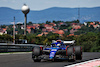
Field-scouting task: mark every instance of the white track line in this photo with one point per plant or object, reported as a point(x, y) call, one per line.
point(15, 53)
point(83, 63)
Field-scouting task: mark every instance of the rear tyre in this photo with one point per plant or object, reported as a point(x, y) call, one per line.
point(78, 52)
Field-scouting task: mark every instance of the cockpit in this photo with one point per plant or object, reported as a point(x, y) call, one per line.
point(58, 43)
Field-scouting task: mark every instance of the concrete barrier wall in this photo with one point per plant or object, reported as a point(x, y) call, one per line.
point(17, 47)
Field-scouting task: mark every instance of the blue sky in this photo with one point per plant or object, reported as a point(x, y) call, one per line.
point(44, 4)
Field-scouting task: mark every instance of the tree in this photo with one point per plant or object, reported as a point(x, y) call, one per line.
point(77, 21)
point(10, 31)
point(88, 41)
point(20, 31)
point(45, 41)
point(3, 26)
point(47, 22)
point(63, 27)
point(29, 23)
point(6, 37)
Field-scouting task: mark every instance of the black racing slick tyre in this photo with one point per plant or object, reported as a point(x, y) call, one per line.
point(36, 51)
point(78, 52)
point(71, 54)
point(70, 51)
point(37, 60)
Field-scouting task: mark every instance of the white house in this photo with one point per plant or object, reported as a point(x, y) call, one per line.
point(85, 23)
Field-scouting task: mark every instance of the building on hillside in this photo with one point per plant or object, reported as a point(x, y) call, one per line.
point(62, 23)
point(3, 31)
point(60, 32)
point(45, 25)
point(74, 23)
point(44, 30)
point(76, 26)
point(43, 33)
point(99, 23)
point(96, 26)
point(92, 23)
point(73, 30)
point(22, 26)
point(49, 27)
point(70, 35)
point(29, 30)
point(85, 23)
point(16, 32)
point(40, 34)
point(19, 24)
point(55, 31)
point(66, 30)
point(29, 27)
point(52, 24)
point(37, 26)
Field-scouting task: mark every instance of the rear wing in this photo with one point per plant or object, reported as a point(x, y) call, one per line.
point(65, 42)
point(69, 42)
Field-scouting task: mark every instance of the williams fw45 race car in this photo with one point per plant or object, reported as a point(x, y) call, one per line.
point(65, 50)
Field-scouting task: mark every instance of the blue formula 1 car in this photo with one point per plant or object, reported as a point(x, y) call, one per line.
point(58, 50)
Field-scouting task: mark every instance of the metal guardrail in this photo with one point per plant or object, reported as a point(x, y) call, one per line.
point(16, 48)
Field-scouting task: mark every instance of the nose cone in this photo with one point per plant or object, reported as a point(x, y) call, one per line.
point(25, 9)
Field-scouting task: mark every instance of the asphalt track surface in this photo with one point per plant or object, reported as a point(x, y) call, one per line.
point(25, 60)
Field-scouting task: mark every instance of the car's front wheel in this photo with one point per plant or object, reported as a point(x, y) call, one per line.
point(71, 54)
point(37, 60)
point(36, 53)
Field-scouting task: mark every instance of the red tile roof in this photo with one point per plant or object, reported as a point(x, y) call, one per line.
point(61, 23)
point(61, 32)
point(44, 30)
point(29, 30)
point(77, 27)
point(45, 33)
point(74, 23)
point(72, 31)
point(53, 24)
point(91, 23)
point(58, 31)
point(39, 35)
point(95, 25)
point(45, 25)
point(29, 27)
point(70, 35)
point(4, 29)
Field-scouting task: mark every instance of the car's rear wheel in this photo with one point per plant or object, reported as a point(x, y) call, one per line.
point(78, 52)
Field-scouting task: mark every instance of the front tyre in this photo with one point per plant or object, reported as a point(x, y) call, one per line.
point(37, 60)
point(36, 53)
point(71, 54)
